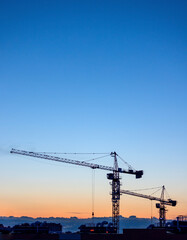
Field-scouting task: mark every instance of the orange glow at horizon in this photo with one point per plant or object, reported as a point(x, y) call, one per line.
point(54, 197)
point(57, 207)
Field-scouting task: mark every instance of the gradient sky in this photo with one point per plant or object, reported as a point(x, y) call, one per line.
point(92, 76)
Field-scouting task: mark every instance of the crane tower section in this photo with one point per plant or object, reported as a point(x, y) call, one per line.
point(115, 191)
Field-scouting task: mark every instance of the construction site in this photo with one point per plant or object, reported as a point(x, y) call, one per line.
point(163, 229)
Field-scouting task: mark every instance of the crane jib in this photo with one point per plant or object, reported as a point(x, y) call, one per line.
point(168, 202)
point(76, 162)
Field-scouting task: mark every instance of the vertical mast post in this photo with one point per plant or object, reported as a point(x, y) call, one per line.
point(115, 193)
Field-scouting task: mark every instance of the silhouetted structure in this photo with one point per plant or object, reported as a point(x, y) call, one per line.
point(178, 226)
point(38, 227)
point(161, 205)
point(112, 176)
point(103, 227)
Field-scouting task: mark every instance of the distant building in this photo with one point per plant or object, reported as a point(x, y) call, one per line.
point(38, 227)
point(103, 227)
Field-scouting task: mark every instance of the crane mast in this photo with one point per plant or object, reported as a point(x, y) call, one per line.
point(161, 205)
point(115, 192)
point(111, 176)
point(162, 208)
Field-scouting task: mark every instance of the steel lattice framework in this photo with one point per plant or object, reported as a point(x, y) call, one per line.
point(115, 193)
point(111, 176)
point(161, 205)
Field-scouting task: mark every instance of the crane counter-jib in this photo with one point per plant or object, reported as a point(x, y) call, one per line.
point(138, 174)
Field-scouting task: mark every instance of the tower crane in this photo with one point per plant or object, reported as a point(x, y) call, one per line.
point(161, 205)
point(114, 176)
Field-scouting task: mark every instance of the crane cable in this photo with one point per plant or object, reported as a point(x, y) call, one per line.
point(96, 158)
point(167, 194)
point(155, 192)
point(129, 166)
point(142, 189)
point(92, 159)
point(93, 194)
point(151, 212)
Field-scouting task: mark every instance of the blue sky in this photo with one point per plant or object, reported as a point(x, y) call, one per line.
point(95, 76)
